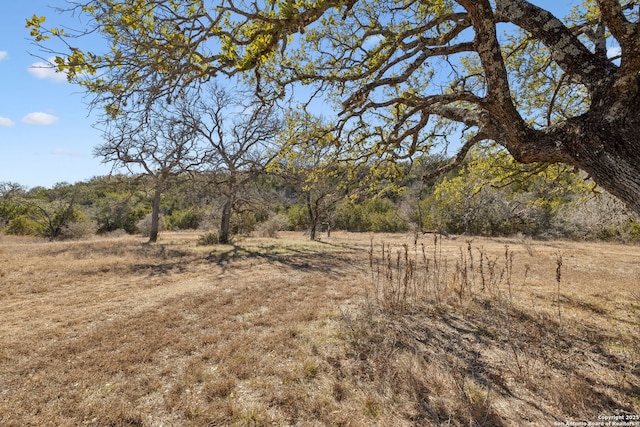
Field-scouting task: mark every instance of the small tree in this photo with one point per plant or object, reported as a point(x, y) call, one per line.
point(47, 212)
point(118, 202)
point(158, 141)
point(308, 159)
point(491, 194)
point(238, 135)
point(10, 192)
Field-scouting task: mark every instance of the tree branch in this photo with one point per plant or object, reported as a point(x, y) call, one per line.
point(566, 49)
point(457, 160)
point(624, 31)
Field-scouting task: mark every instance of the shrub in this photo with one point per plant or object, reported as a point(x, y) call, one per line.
point(387, 222)
point(350, 216)
point(634, 230)
point(271, 226)
point(208, 239)
point(144, 225)
point(115, 215)
point(298, 217)
point(79, 230)
point(243, 223)
point(183, 220)
point(23, 226)
point(601, 217)
point(381, 215)
point(377, 214)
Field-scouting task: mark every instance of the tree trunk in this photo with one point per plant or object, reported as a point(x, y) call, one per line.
point(313, 217)
point(603, 143)
point(610, 154)
point(155, 214)
point(225, 222)
point(313, 230)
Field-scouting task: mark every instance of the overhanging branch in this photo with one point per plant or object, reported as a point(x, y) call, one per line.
point(457, 159)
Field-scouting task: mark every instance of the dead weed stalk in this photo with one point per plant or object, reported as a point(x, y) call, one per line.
point(405, 280)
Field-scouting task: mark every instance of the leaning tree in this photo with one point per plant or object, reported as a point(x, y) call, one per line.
point(405, 74)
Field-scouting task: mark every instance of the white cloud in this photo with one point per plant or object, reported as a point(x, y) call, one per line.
point(39, 119)
point(6, 122)
point(3, 54)
point(43, 70)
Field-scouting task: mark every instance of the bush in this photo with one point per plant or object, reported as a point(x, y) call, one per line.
point(271, 226)
point(381, 215)
point(243, 223)
point(601, 217)
point(23, 226)
point(114, 215)
point(458, 206)
point(208, 239)
point(388, 222)
point(350, 216)
point(144, 225)
point(634, 230)
point(377, 215)
point(183, 220)
point(79, 230)
point(298, 217)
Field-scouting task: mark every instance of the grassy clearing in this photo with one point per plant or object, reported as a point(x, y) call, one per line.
point(356, 330)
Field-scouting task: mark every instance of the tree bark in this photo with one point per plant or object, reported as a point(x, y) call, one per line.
point(609, 151)
point(605, 140)
point(155, 214)
point(313, 217)
point(225, 222)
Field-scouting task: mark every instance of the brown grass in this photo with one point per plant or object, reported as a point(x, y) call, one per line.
point(114, 332)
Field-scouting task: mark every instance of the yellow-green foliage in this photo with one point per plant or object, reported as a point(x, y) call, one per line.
point(243, 222)
point(494, 195)
point(183, 220)
point(376, 214)
point(22, 225)
point(298, 217)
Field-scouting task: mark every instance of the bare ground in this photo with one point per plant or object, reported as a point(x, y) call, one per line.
point(114, 332)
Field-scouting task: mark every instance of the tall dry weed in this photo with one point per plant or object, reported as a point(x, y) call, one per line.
point(497, 339)
point(406, 279)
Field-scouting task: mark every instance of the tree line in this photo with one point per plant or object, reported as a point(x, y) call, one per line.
point(489, 194)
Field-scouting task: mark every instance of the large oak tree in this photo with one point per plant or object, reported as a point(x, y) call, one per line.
point(406, 74)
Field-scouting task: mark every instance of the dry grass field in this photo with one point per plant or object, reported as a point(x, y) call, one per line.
point(355, 330)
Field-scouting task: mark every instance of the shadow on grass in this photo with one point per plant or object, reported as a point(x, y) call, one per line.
point(288, 256)
point(514, 355)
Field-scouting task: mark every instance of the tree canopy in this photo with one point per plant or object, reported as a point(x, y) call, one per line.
point(405, 76)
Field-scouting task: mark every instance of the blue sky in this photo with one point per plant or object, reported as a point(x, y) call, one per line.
point(45, 132)
point(46, 135)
